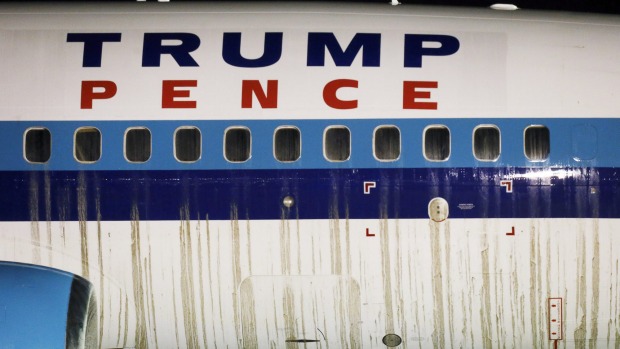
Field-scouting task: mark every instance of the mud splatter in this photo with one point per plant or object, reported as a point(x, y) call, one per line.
point(386, 275)
point(448, 254)
point(126, 332)
point(48, 213)
point(249, 246)
point(101, 294)
point(236, 267)
point(285, 244)
point(210, 277)
point(335, 243)
point(288, 302)
point(541, 305)
point(438, 313)
point(62, 205)
point(470, 293)
point(82, 217)
point(613, 297)
point(548, 275)
point(461, 266)
point(581, 320)
point(187, 280)
point(348, 242)
point(151, 300)
point(398, 287)
point(355, 318)
point(596, 271)
point(138, 287)
point(201, 284)
point(248, 315)
point(118, 321)
point(534, 285)
point(176, 320)
point(275, 315)
point(218, 255)
point(497, 297)
point(485, 310)
point(411, 261)
point(35, 235)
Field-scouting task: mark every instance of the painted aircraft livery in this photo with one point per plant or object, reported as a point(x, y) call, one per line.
point(308, 175)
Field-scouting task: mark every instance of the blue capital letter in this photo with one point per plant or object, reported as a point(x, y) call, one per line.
point(317, 42)
point(414, 47)
point(154, 48)
point(272, 51)
point(93, 45)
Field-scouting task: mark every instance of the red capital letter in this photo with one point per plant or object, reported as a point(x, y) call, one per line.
point(410, 94)
point(105, 90)
point(253, 87)
point(169, 93)
point(330, 90)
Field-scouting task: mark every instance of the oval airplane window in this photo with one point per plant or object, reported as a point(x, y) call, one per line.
point(436, 142)
point(87, 144)
point(536, 143)
point(37, 145)
point(237, 144)
point(486, 143)
point(187, 144)
point(337, 143)
point(138, 144)
point(386, 144)
point(287, 144)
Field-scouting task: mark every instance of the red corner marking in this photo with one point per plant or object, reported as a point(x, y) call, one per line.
point(511, 233)
point(507, 184)
point(368, 232)
point(368, 186)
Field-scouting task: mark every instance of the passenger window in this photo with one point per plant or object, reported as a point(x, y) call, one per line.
point(287, 144)
point(337, 143)
point(87, 144)
point(436, 143)
point(487, 145)
point(138, 144)
point(386, 145)
point(37, 145)
point(187, 144)
point(237, 144)
point(536, 143)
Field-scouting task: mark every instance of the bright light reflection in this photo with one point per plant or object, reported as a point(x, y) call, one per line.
point(545, 174)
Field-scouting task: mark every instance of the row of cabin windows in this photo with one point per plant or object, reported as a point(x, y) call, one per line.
point(286, 144)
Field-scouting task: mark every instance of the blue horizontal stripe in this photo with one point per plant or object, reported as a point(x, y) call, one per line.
point(318, 194)
point(568, 144)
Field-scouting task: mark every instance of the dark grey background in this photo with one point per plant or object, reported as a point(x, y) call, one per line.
point(598, 6)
